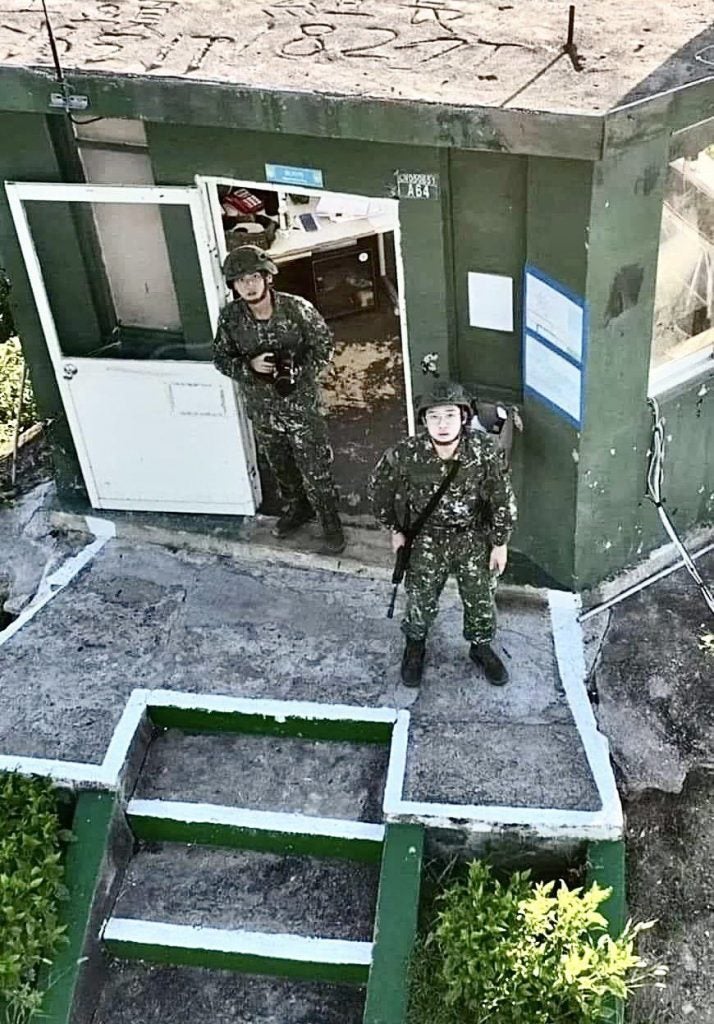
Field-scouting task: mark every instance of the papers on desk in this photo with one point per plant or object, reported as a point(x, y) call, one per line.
point(344, 207)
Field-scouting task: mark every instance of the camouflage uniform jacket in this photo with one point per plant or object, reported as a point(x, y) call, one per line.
point(480, 497)
point(295, 328)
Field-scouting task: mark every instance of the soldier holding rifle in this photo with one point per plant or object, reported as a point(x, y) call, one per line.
point(447, 499)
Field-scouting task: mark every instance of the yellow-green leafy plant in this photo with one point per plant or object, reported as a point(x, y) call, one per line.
point(523, 953)
point(31, 887)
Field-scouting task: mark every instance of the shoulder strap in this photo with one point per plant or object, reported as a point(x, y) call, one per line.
point(434, 499)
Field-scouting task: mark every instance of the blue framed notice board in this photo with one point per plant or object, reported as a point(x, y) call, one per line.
point(555, 329)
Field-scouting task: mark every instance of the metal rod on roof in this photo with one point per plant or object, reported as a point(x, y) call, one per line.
point(571, 27)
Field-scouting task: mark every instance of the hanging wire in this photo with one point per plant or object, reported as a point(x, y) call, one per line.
point(655, 477)
point(59, 73)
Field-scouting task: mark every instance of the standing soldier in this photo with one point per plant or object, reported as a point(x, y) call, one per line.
point(467, 532)
point(275, 345)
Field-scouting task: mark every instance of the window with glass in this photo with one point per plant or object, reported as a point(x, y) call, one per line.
point(683, 330)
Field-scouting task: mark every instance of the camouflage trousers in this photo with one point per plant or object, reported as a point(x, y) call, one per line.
point(436, 555)
point(296, 446)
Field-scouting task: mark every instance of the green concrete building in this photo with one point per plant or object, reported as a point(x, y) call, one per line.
point(506, 193)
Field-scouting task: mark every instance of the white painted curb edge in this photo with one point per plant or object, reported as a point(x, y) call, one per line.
point(277, 709)
point(219, 940)
point(49, 586)
point(264, 821)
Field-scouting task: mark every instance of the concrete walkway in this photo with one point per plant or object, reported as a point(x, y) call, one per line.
point(142, 615)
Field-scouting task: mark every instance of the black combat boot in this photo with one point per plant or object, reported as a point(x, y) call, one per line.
point(293, 518)
point(413, 662)
point(485, 656)
point(334, 541)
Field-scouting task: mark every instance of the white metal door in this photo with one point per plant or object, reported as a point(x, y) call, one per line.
point(150, 434)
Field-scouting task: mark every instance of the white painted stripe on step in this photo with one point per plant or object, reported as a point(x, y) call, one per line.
point(545, 821)
point(570, 655)
point(264, 821)
point(63, 772)
point(124, 732)
point(277, 709)
point(397, 768)
point(220, 940)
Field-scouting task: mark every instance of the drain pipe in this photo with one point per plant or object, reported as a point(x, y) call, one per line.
point(103, 530)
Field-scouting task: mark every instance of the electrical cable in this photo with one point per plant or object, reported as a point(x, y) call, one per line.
point(655, 476)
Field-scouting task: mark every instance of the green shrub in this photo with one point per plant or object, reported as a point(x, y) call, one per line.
point(10, 377)
point(31, 888)
point(522, 953)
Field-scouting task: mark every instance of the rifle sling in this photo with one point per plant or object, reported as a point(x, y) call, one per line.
point(433, 501)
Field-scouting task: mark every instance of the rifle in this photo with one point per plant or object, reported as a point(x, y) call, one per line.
point(401, 559)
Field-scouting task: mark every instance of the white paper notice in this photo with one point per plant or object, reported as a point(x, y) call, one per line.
point(491, 301)
point(552, 377)
point(554, 316)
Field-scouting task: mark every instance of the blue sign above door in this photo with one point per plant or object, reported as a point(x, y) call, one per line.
point(280, 174)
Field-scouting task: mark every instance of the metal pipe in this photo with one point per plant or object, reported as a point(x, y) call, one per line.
point(636, 587)
point(18, 420)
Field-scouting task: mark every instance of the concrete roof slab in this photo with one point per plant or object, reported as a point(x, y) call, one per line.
point(464, 52)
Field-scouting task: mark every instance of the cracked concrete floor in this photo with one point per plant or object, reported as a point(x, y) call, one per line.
point(146, 616)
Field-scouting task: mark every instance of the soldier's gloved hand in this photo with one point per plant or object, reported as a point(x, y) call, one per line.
point(498, 559)
point(398, 541)
point(264, 363)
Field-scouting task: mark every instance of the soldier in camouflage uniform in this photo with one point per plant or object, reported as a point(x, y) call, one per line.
point(275, 345)
point(467, 533)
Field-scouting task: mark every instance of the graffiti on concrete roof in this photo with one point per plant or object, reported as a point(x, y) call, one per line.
point(476, 52)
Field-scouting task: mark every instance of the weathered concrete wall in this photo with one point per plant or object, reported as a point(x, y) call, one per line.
point(615, 523)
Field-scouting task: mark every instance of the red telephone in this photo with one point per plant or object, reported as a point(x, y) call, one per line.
point(241, 201)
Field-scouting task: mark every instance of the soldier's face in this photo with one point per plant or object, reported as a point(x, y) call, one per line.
point(252, 287)
point(443, 423)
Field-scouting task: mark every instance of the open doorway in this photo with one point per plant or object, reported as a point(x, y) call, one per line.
point(341, 252)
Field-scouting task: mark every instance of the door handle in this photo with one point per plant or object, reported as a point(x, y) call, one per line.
point(69, 370)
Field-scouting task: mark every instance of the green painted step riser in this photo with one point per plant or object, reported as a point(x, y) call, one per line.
point(396, 925)
point(200, 834)
point(353, 974)
point(196, 720)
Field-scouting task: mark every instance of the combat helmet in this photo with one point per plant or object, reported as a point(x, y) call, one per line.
point(247, 259)
point(443, 392)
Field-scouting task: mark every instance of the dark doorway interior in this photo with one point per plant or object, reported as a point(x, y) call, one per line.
point(363, 391)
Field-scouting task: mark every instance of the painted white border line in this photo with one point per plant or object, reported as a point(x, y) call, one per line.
point(280, 710)
point(604, 823)
point(276, 946)
point(263, 821)
point(570, 655)
point(103, 530)
point(68, 773)
point(397, 766)
point(107, 775)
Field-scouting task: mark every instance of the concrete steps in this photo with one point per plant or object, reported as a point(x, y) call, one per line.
point(276, 773)
point(139, 993)
point(249, 891)
point(255, 875)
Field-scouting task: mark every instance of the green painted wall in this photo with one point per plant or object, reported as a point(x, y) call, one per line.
point(29, 155)
point(557, 222)
point(615, 522)
point(179, 152)
point(489, 222)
